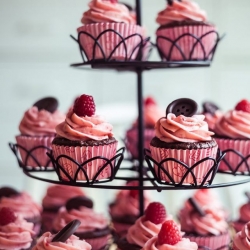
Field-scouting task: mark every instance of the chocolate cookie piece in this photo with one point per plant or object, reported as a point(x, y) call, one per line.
point(67, 231)
point(209, 107)
point(8, 192)
point(79, 201)
point(48, 103)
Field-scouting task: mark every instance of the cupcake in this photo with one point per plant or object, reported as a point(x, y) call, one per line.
point(145, 227)
point(206, 227)
point(37, 129)
point(241, 239)
point(15, 232)
point(22, 204)
point(109, 32)
point(94, 227)
point(56, 197)
point(65, 239)
point(150, 115)
point(169, 237)
point(185, 137)
point(232, 133)
point(124, 210)
point(184, 32)
point(81, 137)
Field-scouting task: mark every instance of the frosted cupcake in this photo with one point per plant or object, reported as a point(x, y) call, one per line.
point(124, 210)
point(56, 197)
point(184, 136)
point(241, 239)
point(22, 204)
point(15, 232)
point(94, 227)
point(177, 20)
point(151, 114)
point(83, 136)
point(232, 132)
point(112, 24)
point(37, 129)
point(169, 237)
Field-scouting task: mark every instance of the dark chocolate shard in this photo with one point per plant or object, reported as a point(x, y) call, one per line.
point(48, 103)
point(209, 107)
point(79, 201)
point(182, 106)
point(196, 207)
point(67, 231)
point(8, 192)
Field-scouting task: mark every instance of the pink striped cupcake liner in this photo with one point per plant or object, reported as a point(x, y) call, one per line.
point(212, 242)
point(242, 147)
point(186, 43)
point(81, 155)
point(189, 157)
point(122, 46)
point(29, 144)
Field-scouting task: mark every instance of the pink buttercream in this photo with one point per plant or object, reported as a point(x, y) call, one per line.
point(72, 243)
point(84, 128)
point(184, 10)
point(16, 235)
point(106, 11)
point(182, 129)
point(241, 240)
point(142, 231)
point(212, 119)
point(234, 124)
point(58, 195)
point(184, 244)
point(22, 204)
point(245, 212)
point(89, 219)
point(40, 123)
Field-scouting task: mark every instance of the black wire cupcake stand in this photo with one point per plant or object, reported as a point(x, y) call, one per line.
point(149, 173)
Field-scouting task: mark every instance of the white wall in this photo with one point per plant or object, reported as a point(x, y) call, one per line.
point(36, 51)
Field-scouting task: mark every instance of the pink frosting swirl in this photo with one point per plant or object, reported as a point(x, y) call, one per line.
point(72, 243)
point(16, 235)
point(22, 204)
point(89, 219)
point(184, 10)
point(58, 195)
point(106, 11)
point(182, 129)
point(242, 239)
point(234, 124)
point(40, 123)
point(212, 119)
point(84, 128)
point(184, 244)
point(245, 212)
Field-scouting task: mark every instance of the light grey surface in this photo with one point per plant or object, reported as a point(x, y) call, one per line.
point(35, 53)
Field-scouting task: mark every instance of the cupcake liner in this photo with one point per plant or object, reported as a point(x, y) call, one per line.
point(189, 157)
point(110, 39)
point(98, 243)
point(186, 43)
point(132, 140)
point(29, 143)
point(81, 155)
point(213, 242)
point(242, 146)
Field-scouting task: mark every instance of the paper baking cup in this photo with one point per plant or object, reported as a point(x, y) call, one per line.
point(242, 146)
point(99, 242)
point(189, 157)
point(187, 42)
point(81, 155)
point(132, 140)
point(31, 142)
point(211, 242)
point(109, 40)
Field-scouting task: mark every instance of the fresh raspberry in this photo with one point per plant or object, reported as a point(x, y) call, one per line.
point(134, 193)
point(156, 213)
point(243, 105)
point(149, 101)
point(7, 216)
point(169, 234)
point(84, 105)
